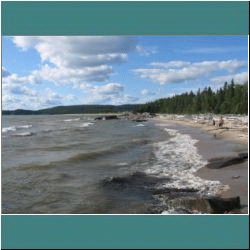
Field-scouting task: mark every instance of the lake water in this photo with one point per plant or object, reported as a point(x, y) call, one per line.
point(74, 164)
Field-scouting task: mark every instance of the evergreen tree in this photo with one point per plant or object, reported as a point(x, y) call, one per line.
point(230, 99)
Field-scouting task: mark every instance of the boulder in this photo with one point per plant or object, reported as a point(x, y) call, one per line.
point(226, 161)
point(220, 206)
point(139, 120)
point(107, 117)
point(210, 205)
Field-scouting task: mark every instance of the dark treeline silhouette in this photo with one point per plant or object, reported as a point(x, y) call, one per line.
point(75, 109)
point(230, 99)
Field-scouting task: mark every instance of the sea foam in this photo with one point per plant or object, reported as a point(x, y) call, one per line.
point(178, 159)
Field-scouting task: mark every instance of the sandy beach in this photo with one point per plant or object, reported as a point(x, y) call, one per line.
point(234, 134)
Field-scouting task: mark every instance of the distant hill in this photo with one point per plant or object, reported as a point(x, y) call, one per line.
point(75, 109)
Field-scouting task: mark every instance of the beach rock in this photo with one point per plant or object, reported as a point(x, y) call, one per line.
point(107, 117)
point(235, 177)
point(210, 205)
point(243, 155)
point(139, 120)
point(219, 205)
point(226, 161)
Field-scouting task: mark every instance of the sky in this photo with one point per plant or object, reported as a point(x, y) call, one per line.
point(45, 71)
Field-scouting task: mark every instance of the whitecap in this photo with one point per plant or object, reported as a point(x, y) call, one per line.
point(122, 164)
point(24, 134)
point(70, 120)
point(86, 124)
point(24, 126)
point(5, 130)
point(139, 125)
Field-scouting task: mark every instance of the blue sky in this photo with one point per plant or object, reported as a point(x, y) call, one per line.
point(41, 72)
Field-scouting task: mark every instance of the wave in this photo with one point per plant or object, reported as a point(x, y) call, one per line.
point(24, 134)
point(70, 120)
point(113, 149)
point(24, 126)
point(86, 124)
point(178, 159)
point(93, 155)
point(7, 129)
point(170, 176)
point(14, 128)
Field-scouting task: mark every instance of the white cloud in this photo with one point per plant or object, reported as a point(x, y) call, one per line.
point(64, 75)
point(111, 93)
point(171, 64)
point(5, 72)
point(146, 50)
point(18, 94)
point(10, 102)
point(215, 50)
point(25, 41)
point(11, 79)
point(79, 59)
point(239, 78)
point(180, 71)
point(17, 89)
point(108, 89)
point(79, 51)
point(146, 92)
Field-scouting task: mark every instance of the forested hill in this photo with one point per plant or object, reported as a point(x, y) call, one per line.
point(75, 109)
point(231, 99)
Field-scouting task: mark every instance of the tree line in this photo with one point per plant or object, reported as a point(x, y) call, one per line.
point(230, 99)
point(75, 109)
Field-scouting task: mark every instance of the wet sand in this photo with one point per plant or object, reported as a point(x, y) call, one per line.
point(217, 142)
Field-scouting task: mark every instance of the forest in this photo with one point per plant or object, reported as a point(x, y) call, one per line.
point(230, 99)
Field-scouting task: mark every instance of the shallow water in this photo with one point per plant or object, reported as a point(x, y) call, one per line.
point(74, 164)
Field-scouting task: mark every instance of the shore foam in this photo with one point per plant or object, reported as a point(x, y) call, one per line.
point(178, 159)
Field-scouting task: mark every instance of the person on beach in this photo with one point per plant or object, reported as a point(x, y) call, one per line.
point(221, 122)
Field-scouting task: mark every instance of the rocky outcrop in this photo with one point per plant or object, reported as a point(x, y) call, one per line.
point(139, 117)
point(107, 117)
point(210, 205)
point(226, 161)
point(139, 120)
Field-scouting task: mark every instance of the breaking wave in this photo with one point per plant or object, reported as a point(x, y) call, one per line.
point(24, 134)
point(178, 159)
point(7, 129)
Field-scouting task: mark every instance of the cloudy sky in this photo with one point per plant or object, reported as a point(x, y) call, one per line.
point(44, 71)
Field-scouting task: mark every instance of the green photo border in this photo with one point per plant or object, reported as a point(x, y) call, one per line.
point(124, 18)
point(124, 231)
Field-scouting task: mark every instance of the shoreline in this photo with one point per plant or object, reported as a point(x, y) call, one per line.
point(233, 175)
